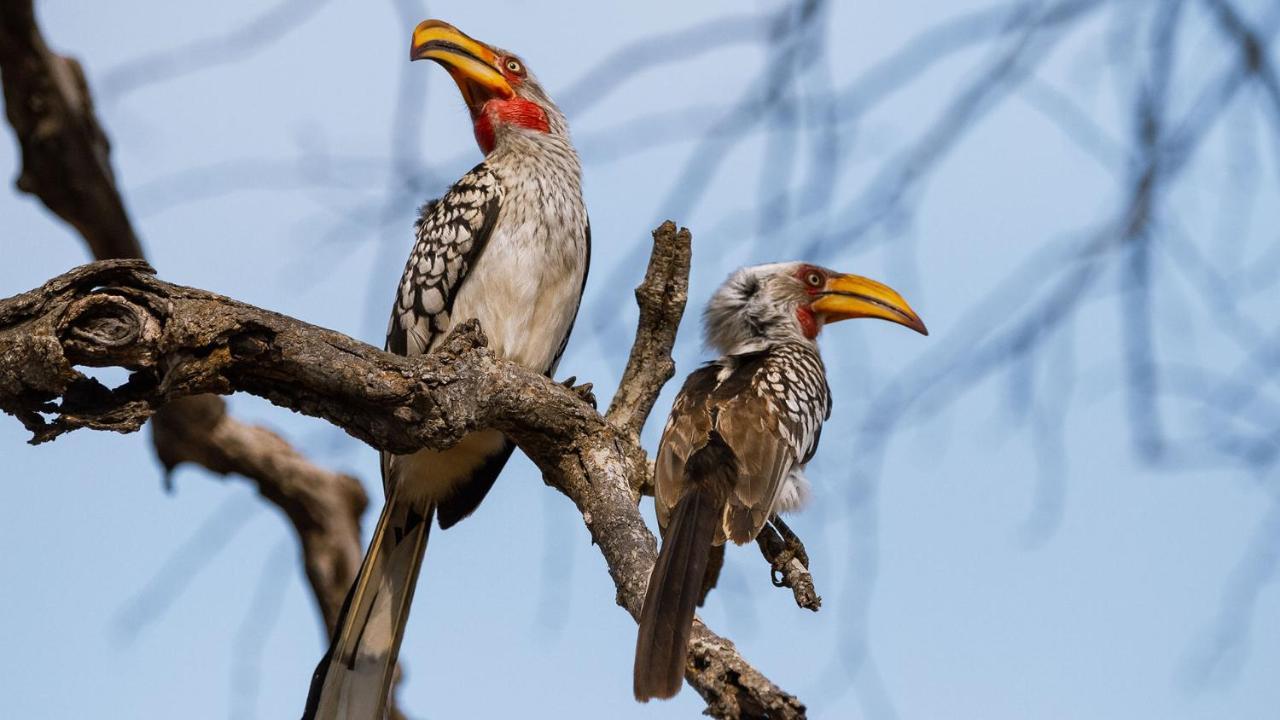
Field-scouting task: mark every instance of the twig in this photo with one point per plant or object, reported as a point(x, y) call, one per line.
point(790, 563)
point(237, 45)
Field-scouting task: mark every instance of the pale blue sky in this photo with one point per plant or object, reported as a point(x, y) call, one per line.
point(959, 580)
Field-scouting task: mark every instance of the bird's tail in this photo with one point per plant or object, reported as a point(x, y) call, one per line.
point(353, 680)
point(677, 580)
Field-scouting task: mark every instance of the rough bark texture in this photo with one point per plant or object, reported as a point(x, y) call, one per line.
point(179, 342)
point(66, 164)
point(662, 298)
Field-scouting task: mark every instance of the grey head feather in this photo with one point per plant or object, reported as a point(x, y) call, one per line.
point(754, 308)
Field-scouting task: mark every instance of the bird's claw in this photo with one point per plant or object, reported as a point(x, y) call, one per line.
point(794, 547)
point(583, 391)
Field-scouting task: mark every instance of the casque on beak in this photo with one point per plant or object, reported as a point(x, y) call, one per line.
point(474, 66)
point(852, 296)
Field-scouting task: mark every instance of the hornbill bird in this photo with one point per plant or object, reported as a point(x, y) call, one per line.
point(741, 430)
point(508, 244)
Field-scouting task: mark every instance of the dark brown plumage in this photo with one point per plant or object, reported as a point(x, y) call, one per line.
point(740, 433)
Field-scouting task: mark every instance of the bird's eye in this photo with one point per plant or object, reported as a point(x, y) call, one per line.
point(813, 278)
point(514, 66)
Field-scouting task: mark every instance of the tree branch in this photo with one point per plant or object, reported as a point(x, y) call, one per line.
point(180, 342)
point(66, 164)
point(324, 507)
point(65, 152)
point(790, 563)
point(661, 297)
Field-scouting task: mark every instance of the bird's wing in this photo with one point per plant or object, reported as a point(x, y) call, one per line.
point(586, 270)
point(688, 429)
point(770, 413)
point(451, 233)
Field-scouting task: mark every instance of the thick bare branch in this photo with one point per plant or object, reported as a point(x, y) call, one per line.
point(661, 298)
point(180, 342)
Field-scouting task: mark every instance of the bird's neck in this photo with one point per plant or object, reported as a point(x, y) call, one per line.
point(498, 117)
point(735, 324)
point(746, 347)
point(526, 160)
point(760, 343)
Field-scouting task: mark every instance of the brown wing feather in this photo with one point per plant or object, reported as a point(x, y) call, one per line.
point(749, 424)
point(687, 430)
point(768, 406)
point(769, 412)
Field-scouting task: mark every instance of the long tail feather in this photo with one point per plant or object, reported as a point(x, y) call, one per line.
point(353, 679)
point(676, 585)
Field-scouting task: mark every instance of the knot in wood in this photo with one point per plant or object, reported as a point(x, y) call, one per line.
point(108, 329)
point(463, 338)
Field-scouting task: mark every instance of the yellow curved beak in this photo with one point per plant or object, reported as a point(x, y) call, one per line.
point(473, 65)
point(853, 296)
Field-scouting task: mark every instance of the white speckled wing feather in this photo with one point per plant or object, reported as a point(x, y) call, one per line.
point(768, 406)
point(451, 233)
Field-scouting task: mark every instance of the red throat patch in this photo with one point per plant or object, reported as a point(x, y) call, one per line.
point(516, 111)
point(808, 323)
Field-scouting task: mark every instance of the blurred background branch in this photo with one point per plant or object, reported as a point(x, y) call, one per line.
point(66, 164)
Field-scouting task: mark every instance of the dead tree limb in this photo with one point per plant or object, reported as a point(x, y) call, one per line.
point(181, 342)
point(65, 153)
point(662, 298)
point(66, 164)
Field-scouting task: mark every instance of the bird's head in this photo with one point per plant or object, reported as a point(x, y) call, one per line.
point(499, 90)
point(793, 301)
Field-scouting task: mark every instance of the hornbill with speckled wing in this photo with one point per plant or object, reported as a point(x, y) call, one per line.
point(741, 430)
point(508, 244)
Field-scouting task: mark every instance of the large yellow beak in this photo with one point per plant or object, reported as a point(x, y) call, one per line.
point(474, 66)
point(852, 296)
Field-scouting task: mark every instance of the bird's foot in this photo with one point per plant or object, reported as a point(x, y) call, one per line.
point(794, 548)
point(585, 391)
point(780, 546)
point(788, 562)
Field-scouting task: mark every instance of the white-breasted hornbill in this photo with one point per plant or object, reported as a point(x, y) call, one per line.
point(508, 244)
point(741, 430)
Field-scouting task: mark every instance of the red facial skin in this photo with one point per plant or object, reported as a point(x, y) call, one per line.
point(512, 111)
point(807, 274)
point(808, 321)
point(516, 111)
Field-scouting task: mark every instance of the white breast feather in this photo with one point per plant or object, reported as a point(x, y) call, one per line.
point(524, 290)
